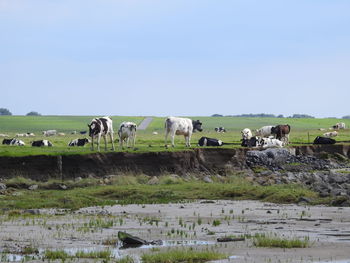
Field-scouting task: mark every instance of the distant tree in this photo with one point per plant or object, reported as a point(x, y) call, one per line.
point(4, 111)
point(280, 116)
point(346, 117)
point(299, 116)
point(259, 115)
point(33, 113)
point(217, 115)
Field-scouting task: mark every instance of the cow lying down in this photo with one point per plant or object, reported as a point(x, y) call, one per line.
point(205, 141)
point(13, 142)
point(262, 142)
point(79, 142)
point(42, 143)
point(324, 140)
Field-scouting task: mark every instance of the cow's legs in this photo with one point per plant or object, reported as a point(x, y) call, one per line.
point(173, 139)
point(98, 141)
point(92, 143)
point(111, 137)
point(166, 138)
point(105, 139)
point(133, 140)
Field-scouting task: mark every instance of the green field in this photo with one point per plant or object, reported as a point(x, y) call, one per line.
point(302, 131)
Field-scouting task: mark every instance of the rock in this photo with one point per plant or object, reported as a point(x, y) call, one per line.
point(303, 199)
point(78, 179)
point(128, 239)
point(230, 239)
point(33, 187)
point(154, 180)
point(2, 186)
point(32, 211)
point(62, 186)
point(207, 179)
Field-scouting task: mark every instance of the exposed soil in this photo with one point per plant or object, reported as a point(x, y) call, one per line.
point(328, 229)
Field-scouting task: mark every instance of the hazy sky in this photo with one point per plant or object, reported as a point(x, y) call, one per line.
point(180, 57)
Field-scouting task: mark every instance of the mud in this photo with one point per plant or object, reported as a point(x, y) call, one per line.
point(182, 226)
point(42, 168)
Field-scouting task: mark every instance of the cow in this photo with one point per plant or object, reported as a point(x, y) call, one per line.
point(13, 142)
point(338, 126)
point(264, 131)
point(324, 140)
point(3, 135)
point(30, 134)
point(246, 134)
point(330, 134)
point(127, 133)
point(83, 132)
point(220, 129)
point(252, 142)
point(61, 134)
point(281, 132)
point(79, 142)
point(49, 133)
point(101, 127)
point(20, 135)
point(42, 143)
point(205, 141)
point(271, 143)
point(181, 126)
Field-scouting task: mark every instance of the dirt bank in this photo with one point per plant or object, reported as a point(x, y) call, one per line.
point(99, 164)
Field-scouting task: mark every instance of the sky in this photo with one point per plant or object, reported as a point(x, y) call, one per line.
point(175, 58)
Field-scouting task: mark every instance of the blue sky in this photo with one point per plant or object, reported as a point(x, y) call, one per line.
point(182, 57)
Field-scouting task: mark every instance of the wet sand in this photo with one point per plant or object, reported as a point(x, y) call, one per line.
point(186, 225)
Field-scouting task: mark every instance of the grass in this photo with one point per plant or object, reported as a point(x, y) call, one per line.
point(138, 192)
point(146, 141)
point(273, 241)
point(177, 256)
point(62, 255)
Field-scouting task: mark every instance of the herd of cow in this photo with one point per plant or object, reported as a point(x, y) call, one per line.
point(265, 137)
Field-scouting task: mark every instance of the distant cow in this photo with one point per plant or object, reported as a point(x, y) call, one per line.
point(252, 142)
point(127, 133)
point(49, 133)
point(339, 125)
point(42, 143)
point(79, 142)
point(30, 134)
point(3, 135)
point(246, 134)
point(324, 140)
point(14, 142)
point(20, 135)
point(264, 131)
point(101, 127)
point(83, 132)
point(181, 126)
point(271, 143)
point(281, 132)
point(205, 141)
point(61, 134)
point(330, 134)
point(220, 129)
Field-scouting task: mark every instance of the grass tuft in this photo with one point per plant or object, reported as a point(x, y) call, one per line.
point(271, 241)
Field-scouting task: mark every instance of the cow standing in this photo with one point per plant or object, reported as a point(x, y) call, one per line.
point(181, 126)
point(101, 127)
point(127, 132)
point(281, 132)
point(264, 131)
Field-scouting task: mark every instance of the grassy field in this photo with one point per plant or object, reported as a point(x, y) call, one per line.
point(302, 131)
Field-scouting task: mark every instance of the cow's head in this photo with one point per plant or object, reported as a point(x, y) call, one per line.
point(197, 126)
point(94, 128)
point(274, 129)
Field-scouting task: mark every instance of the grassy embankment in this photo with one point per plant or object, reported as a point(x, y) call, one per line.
point(302, 131)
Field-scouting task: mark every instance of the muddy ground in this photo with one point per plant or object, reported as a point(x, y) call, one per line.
point(182, 225)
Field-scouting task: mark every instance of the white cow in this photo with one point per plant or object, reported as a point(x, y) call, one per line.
point(181, 126)
point(271, 143)
point(61, 134)
point(246, 134)
point(127, 133)
point(49, 133)
point(4, 135)
point(101, 127)
point(339, 125)
point(330, 134)
point(264, 131)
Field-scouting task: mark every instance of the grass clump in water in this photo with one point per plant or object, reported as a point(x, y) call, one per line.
point(271, 241)
point(175, 256)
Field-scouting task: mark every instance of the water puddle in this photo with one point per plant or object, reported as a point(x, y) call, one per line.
point(116, 252)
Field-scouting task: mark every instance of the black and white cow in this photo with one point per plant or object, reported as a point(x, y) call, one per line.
point(324, 140)
point(205, 141)
point(101, 127)
point(79, 142)
point(181, 126)
point(127, 133)
point(42, 143)
point(13, 142)
point(220, 129)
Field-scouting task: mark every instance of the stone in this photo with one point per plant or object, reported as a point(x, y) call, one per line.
point(2, 186)
point(33, 187)
point(207, 179)
point(154, 180)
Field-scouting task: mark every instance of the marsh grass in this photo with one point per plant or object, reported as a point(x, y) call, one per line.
point(62, 255)
point(133, 192)
point(271, 241)
point(177, 256)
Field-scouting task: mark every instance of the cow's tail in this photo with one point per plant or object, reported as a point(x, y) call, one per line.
point(167, 123)
point(288, 127)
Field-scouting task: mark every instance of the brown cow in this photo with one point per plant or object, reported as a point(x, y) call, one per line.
point(281, 132)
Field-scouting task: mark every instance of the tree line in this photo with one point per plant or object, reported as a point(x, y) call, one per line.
point(4, 111)
point(265, 115)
